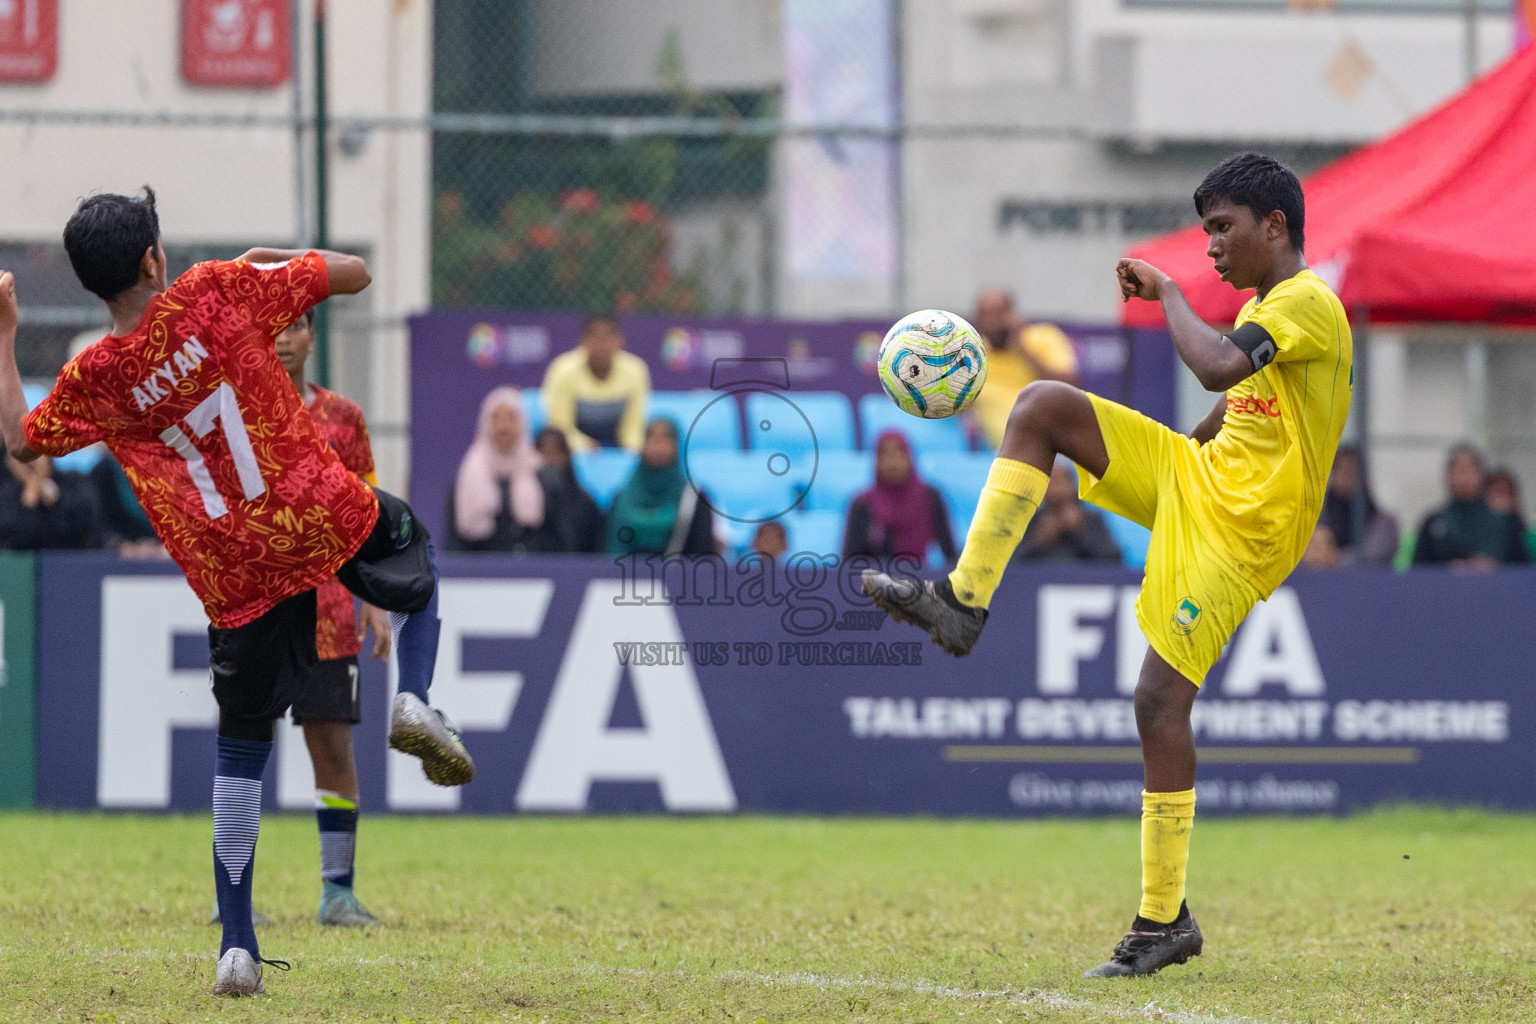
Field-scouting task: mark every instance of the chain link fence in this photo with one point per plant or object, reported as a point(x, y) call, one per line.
point(613, 157)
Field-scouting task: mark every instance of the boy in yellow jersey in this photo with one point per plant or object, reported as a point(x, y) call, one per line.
point(1231, 506)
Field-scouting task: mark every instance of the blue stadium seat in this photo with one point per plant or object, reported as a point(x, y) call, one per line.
point(604, 472)
point(741, 485)
point(877, 414)
point(1133, 539)
point(705, 419)
point(819, 532)
point(533, 410)
point(839, 477)
point(826, 417)
point(960, 476)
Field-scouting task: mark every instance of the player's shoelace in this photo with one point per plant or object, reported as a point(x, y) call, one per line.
point(282, 965)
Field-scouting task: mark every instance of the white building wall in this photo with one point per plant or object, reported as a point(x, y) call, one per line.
point(235, 186)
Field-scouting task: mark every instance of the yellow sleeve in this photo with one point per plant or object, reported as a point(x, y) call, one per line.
point(1049, 346)
point(560, 404)
point(1297, 317)
point(632, 426)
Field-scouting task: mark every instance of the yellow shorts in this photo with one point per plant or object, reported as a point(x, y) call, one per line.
point(1191, 600)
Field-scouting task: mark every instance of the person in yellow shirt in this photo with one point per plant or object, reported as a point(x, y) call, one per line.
point(596, 393)
point(1018, 354)
point(1231, 507)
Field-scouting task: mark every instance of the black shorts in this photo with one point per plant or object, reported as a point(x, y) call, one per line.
point(329, 694)
point(393, 569)
point(259, 668)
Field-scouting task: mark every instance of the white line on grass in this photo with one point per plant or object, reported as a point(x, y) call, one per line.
point(1032, 997)
point(799, 979)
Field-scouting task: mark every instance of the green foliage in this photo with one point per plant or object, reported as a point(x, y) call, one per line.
point(577, 252)
point(1407, 915)
point(492, 189)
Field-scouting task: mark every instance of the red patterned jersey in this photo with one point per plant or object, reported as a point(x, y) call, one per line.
point(234, 475)
point(341, 424)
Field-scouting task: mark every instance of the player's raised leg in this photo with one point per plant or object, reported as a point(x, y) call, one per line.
point(1163, 932)
point(396, 570)
point(1048, 418)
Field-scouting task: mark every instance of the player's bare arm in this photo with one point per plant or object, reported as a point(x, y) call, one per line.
point(347, 274)
point(13, 404)
point(1206, 430)
point(1216, 361)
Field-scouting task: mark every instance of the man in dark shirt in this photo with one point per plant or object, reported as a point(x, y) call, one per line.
point(1064, 529)
point(39, 510)
point(1465, 531)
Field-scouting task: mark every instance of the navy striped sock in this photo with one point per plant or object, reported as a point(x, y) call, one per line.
point(416, 647)
point(236, 822)
point(337, 817)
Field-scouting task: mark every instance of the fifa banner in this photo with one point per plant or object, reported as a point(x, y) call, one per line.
point(457, 357)
point(16, 648)
point(587, 685)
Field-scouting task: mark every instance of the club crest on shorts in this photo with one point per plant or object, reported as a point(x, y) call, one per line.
point(1186, 616)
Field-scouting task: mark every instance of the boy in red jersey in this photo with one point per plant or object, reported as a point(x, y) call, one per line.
point(329, 704)
point(242, 490)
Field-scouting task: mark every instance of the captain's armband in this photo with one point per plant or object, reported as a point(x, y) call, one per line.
point(1255, 343)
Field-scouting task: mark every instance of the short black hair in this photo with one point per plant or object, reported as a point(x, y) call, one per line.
point(1262, 184)
point(106, 240)
point(308, 316)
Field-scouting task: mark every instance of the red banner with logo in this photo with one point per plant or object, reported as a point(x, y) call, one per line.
point(29, 40)
point(237, 43)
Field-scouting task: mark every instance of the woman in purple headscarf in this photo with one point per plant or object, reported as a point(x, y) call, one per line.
point(503, 498)
point(901, 514)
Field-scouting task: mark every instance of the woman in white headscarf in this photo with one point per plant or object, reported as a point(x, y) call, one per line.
point(503, 499)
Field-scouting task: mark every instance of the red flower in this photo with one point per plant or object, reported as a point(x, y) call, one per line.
point(542, 236)
point(511, 252)
point(450, 205)
point(580, 200)
point(639, 212)
point(624, 302)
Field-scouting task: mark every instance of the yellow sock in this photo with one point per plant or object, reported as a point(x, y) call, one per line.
point(1166, 819)
point(1008, 501)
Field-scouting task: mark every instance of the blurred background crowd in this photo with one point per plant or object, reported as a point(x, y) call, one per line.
point(594, 462)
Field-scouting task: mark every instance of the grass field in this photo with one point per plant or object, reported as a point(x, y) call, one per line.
point(1397, 916)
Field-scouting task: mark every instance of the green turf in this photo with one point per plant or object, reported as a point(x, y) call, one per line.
point(1398, 916)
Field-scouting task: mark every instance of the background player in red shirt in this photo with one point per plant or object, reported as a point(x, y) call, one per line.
point(329, 704)
point(240, 486)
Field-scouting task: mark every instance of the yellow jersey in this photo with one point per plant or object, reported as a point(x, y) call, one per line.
point(1255, 490)
point(1007, 373)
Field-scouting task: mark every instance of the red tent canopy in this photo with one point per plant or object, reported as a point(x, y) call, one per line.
point(1436, 222)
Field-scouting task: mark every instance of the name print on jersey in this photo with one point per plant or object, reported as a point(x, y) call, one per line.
point(183, 361)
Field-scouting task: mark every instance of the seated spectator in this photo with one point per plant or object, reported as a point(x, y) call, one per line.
point(503, 499)
point(1064, 529)
point(596, 393)
point(1351, 529)
point(770, 540)
point(1465, 531)
point(1502, 494)
point(1018, 353)
point(658, 512)
point(586, 519)
point(123, 523)
point(901, 514)
point(40, 510)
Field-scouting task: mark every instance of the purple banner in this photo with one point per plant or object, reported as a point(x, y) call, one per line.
point(458, 356)
point(588, 685)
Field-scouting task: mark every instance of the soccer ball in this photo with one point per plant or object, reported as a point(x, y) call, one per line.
point(932, 363)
